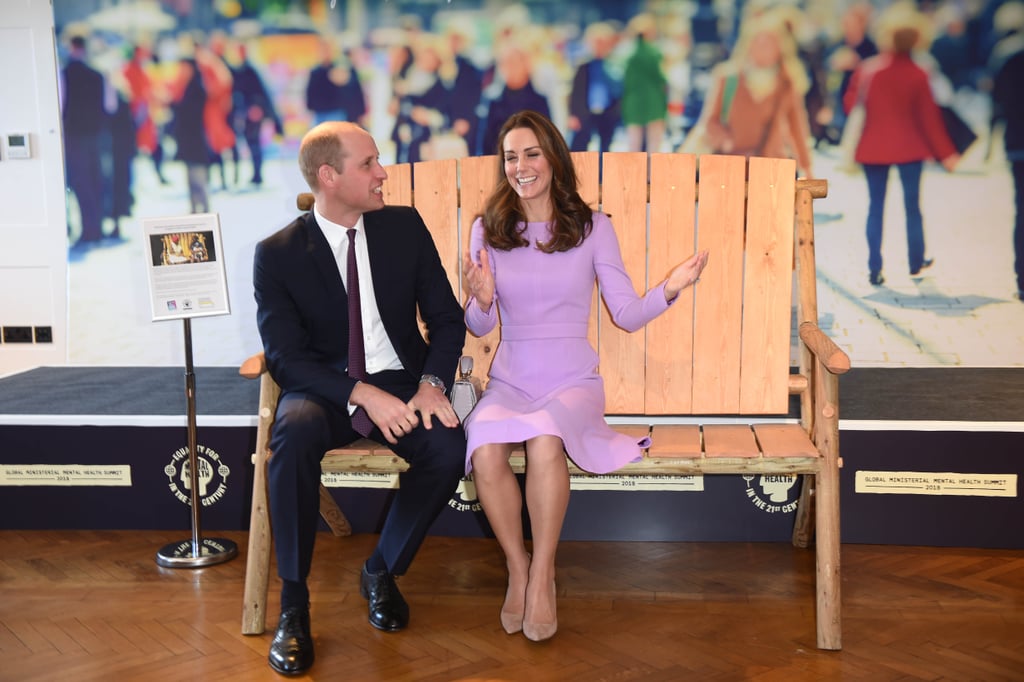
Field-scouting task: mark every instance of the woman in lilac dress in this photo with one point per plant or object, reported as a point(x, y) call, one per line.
point(534, 257)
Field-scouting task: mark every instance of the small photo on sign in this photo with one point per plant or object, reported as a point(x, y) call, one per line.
point(182, 248)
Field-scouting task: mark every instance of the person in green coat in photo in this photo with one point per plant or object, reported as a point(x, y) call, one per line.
point(645, 89)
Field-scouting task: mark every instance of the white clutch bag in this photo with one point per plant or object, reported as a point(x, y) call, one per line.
point(466, 389)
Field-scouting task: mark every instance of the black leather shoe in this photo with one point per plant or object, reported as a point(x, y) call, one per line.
point(876, 279)
point(927, 263)
point(388, 610)
point(291, 652)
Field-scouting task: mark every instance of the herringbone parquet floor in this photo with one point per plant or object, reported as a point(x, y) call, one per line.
point(87, 605)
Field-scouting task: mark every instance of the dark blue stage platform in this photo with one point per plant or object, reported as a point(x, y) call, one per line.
point(932, 457)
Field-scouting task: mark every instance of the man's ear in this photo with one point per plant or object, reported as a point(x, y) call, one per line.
point(326, 175)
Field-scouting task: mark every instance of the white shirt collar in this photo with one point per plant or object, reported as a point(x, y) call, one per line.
point(335, 233)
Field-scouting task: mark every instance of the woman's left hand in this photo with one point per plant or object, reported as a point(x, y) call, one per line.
point(479, 280)
point(685, 274)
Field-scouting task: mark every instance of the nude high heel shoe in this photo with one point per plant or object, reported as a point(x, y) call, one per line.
point(538, 632)
point(511, 621)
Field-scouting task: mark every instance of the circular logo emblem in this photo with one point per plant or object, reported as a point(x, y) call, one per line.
point(212, 478)
point(773, 493)
point(465, 499)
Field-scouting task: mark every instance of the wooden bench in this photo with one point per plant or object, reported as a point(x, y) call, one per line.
point(724, 349)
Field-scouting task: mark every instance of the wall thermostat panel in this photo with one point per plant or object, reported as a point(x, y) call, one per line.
point(17, 146)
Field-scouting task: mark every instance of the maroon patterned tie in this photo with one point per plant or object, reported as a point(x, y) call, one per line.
point(356, 352)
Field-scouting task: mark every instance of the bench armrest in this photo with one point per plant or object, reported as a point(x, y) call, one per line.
point(254, 366)
point(824, 349)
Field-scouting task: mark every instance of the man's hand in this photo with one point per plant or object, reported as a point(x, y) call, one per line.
point(393, 417)
point(430, 400)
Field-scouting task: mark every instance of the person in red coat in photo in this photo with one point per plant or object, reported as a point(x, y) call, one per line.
point(144, 100)
point(902, 127)
point(218, 81)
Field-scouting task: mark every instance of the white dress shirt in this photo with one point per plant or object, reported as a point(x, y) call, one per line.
point(380, 354)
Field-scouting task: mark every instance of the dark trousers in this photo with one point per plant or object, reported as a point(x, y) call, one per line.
point(251, 132)
point(878, 180)
point(603, 125)
point(1018, 230)
point(85, 178)
point(306, 427)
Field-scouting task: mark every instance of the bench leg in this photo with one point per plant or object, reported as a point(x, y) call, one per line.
point(826, 543)
point(257, 566)
point(333, 515)
point(803, 524)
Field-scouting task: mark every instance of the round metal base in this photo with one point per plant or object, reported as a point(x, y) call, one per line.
point(211, 551)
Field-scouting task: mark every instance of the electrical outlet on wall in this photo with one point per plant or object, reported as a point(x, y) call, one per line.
point(17, 334)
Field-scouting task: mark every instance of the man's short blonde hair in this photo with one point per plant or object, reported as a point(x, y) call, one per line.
point(323, 145)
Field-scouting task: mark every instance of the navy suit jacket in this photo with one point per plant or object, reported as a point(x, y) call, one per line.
point(302, 307)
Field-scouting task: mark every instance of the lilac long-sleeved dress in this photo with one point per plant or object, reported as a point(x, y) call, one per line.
point(544, 376)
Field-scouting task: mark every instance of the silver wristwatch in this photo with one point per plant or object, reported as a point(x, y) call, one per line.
point(433, 381)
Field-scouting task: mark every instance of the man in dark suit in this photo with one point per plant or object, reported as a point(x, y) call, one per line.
point(594, 99)
point(301, 279)
point(85, 120)
point(1007, 66)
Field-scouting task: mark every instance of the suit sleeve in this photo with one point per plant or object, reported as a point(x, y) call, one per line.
point(283, 330)
point(440, 311)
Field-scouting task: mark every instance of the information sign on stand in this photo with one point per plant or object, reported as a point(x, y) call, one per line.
point(185, 263)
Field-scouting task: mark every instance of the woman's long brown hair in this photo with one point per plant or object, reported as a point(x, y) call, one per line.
point(571, 218)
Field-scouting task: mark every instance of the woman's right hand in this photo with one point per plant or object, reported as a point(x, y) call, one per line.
point(951, 162)
point(479, 280)
point(685, 274)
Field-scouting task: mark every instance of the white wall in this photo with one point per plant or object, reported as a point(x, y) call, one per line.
point(33, 224)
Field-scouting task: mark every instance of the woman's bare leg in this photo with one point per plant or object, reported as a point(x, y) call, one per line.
point(635, 137)
point(656, 136)
point(547, 498)
point(500, 496)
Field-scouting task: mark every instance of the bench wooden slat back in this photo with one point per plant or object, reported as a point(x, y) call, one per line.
point(398, 187)
point(725, 347)
point(436, 199)
point(479, 174)
point(622, 354)
point(768, 286)
point(673, 233)
point(718, 298)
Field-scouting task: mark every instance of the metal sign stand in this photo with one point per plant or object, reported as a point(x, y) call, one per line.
point(198, 551)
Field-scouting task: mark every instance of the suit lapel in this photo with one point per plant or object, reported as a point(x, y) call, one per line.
point(376, 247)
point(322, 255)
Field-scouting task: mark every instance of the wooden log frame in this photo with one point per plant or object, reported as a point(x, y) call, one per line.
point(723, 349)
